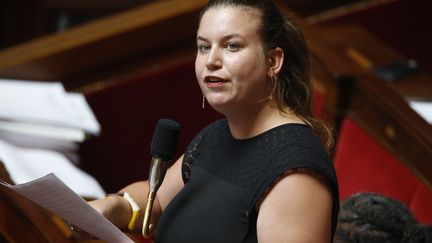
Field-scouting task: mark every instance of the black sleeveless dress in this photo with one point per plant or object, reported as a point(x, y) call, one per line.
point(224, 177)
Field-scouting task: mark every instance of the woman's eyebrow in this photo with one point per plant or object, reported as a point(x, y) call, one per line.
point(200, 38)
point(226, 37)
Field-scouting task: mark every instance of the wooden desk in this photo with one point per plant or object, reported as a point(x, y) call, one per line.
point(23, 221)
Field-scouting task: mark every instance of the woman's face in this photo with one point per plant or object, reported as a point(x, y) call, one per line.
point(230, 64)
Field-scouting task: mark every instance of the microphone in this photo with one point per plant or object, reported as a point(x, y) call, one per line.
point(163, 147)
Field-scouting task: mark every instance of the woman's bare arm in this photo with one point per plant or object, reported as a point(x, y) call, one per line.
point(298, 208)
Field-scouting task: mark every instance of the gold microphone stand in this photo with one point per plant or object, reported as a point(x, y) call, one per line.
point(157, 173)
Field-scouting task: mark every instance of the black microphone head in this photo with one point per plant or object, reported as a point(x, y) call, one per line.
point(165, 139)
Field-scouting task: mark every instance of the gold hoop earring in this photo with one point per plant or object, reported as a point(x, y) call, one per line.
point(203, 102)
point(274, 80)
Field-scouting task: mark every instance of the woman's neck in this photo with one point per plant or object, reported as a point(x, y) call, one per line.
point(251, 122)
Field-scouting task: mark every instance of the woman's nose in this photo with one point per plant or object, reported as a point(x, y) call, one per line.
point(214, 59)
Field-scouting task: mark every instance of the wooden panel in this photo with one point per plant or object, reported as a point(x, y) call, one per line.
point(118, 40)
point(343, 63)
point(339, 51)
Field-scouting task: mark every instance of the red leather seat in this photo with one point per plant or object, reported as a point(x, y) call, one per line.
point(363, 165)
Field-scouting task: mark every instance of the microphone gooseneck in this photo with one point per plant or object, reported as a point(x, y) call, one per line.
point(163, 147)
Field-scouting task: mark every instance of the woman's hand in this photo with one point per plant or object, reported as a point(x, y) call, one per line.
point(115, 208)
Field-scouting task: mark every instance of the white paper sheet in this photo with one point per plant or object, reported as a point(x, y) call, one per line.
point(45, 103)
point(423, 108)
point(52, 194)
point(41, 131)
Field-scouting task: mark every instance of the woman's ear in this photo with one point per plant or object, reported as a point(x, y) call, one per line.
point(276, 59)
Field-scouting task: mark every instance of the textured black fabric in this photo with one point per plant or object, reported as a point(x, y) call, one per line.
point(224, 177)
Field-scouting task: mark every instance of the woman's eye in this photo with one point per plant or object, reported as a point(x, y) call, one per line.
point(203, 48)
point(233, 46)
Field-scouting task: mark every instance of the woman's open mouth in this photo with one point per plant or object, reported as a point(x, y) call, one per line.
point(215, 82)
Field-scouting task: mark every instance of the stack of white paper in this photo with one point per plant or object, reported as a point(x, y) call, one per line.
point(43, 115)
point(45, 103)
point(41, 126)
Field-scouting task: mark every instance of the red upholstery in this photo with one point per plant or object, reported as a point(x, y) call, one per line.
point(317, 104)
point(364, 165)
point(421, 203)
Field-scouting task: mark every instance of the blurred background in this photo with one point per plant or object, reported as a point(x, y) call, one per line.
point(132, 61)
point(404, 25)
